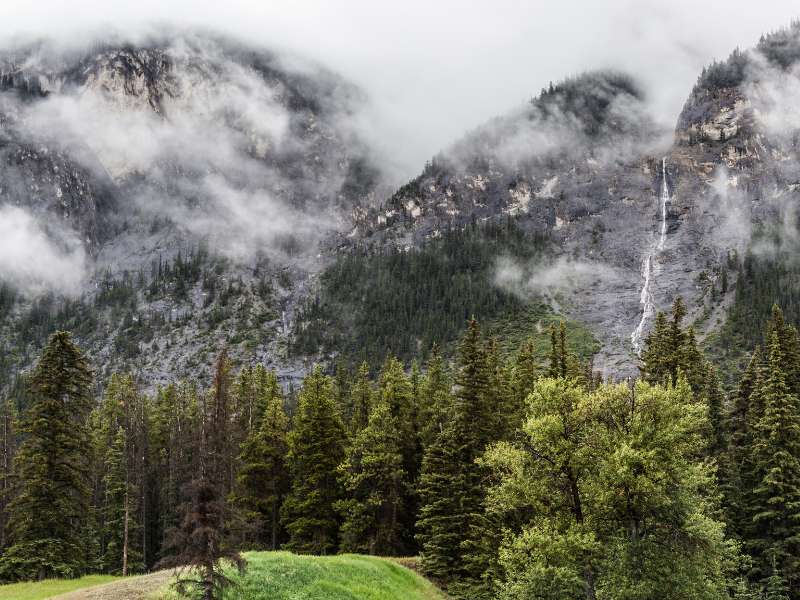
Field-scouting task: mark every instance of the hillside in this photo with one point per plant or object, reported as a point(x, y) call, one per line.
point(270, 576)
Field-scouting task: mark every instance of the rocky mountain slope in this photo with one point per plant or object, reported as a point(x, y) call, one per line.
point(185, 148)
point(204, 190)
point(584, 166)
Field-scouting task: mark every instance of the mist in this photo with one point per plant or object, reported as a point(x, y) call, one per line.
point(34, 259)
point(435, 70)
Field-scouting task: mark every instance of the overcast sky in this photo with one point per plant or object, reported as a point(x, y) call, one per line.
point(436, 68)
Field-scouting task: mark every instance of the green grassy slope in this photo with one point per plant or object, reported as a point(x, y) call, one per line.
point(285, 576)
point(50, 587)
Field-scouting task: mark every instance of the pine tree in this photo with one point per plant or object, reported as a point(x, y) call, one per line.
point(655, 366)
point(435, 397)
point(714, 399)
point(341, 392)
point(116, 427)
point(670, 349)
point(789, 345)
point(200, 542)
point(525, 372)
point(263, 478)
point(361, 399)
point(777, 456)
point(49, 511)
point(120, 555)
point(450, 487)
point(316, 449)
point(377, 487)
point(736, 462)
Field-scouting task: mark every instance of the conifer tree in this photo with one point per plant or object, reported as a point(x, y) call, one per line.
point(525, 372)
point(48, 513)
point(450, 487)
point(777, 455)
point(116, 425)
point(263, 478)
point(120, 555)
point(200, 542)
point(341, 392)
point(670, 349)
point(655, 356)
point(714, 399)
point(316, 449)
point(435, 396)
point(395, 389)
point(377, 487)
point(789, 345)
point(361, 399)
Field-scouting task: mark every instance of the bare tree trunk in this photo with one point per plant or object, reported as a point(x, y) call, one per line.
point(125, 536)
point(275, 525)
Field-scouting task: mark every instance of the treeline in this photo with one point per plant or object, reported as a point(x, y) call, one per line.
point(510, 476)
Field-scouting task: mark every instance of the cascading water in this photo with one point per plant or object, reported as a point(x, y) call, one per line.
point(648, 265)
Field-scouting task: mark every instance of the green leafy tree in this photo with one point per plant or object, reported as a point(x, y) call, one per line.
point(612, 498)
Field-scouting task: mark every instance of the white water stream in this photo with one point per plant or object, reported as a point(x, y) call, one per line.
point(648, 266)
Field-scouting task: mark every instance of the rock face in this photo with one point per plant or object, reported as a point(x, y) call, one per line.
point(149, 151)
point(186, 142)
point(584, 165)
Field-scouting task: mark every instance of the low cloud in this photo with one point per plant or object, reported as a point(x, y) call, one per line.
point(35, 259)
point(225, 150)
point(552, 280)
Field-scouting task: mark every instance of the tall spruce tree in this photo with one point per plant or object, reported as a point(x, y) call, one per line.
point(777, 456)
point(263, 478)
point(201, 541)
point(376, 483)
point(8, 444)
point(670, 349)
point(48, 515)
point(361, 394)
point(451, 491)
point(316, 449)
point(435, 398)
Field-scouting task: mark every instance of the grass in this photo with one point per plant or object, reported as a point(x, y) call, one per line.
point(50, 587)
point(285, 576)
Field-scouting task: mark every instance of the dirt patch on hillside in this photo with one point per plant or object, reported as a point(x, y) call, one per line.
point(134, 588)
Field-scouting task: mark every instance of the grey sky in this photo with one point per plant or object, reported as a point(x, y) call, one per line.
point(434, 69)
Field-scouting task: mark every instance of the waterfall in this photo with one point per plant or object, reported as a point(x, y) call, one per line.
point(648, 265)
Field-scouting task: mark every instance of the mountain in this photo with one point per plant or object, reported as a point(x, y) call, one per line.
point(206, 192)
point(633, 216)
point(185, 178)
